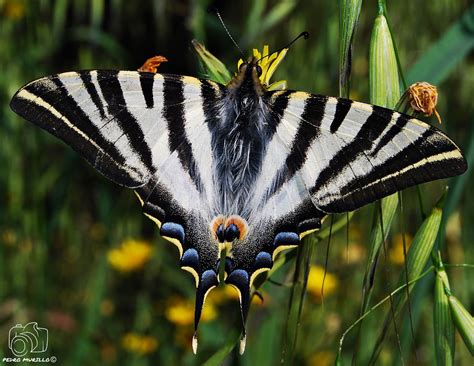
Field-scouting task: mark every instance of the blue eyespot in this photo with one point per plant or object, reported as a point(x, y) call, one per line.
point(263, 260)
point(232, 232)
point(239, 278)
point(173, 230)
point(220, 233)
point(208, 279)
point(190, 258)
point(286, 238)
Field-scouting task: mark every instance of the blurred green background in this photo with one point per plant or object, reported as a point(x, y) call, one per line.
point(78, 257)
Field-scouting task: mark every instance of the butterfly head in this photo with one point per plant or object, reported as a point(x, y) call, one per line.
point(247, 79)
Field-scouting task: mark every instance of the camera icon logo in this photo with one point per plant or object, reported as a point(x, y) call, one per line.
point(27, 339)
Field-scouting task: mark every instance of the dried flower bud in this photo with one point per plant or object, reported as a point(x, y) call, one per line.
point(152, 64)
point(423, 98)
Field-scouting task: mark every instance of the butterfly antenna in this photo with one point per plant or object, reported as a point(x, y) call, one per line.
point(228, 33)
point(304, 34)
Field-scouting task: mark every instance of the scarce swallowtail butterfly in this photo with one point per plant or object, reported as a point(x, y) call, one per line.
point(235, 167)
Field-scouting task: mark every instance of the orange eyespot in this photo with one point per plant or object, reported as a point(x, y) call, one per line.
point(228, 229)
point(215, 224)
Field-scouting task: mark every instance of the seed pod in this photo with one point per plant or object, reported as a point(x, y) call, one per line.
point(214, 67)
point(443, 321)
point(463, 321)
point(383, 69)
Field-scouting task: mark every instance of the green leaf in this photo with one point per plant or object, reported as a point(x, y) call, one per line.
point(441, 59)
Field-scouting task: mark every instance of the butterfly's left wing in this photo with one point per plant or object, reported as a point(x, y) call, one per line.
point(148, 132)
point(330, 155)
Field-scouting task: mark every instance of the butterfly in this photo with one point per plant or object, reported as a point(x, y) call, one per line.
point(238, 167)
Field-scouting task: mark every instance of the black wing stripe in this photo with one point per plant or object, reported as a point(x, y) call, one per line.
point(117, 107)
point(278, 108)
point(146, 83)
point(428, 158)
point(210, 104)
point(68, 107)
point(308, 130)
point(39, 111)
point(173, 112)
point(90, 87)
point(394, 130)
point(343, 107)
point(369, 132)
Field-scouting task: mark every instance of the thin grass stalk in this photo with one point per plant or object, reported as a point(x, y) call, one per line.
point(298, 290)
point(418, 255)
point(384, 91)
point(375, 307)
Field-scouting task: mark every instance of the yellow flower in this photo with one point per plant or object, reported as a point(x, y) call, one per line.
point(269, 63)
point(181, 312)
point(137, 343)
point(130, 256)
point(13, 9)
point(315, 282)
point(395, 254)
point(322, 358)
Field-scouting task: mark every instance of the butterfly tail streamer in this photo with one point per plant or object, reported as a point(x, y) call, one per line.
point(240, 280)
point(208, 280)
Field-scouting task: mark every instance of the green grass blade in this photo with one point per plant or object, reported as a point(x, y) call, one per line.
point(218, 358)
point(349, 11)
point(441, 59)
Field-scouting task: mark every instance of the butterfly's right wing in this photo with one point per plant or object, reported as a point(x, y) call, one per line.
point(349, 154)
point(144, 131)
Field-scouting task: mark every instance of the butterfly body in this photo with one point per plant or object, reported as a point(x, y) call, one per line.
point(235, 167)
